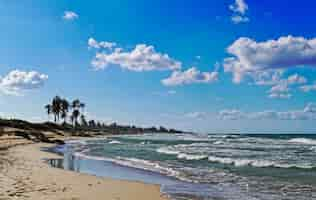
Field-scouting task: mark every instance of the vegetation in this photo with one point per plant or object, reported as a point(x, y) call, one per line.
point(73, 112)
point(69, 120)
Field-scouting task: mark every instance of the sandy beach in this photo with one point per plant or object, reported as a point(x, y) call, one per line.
point(25, 175)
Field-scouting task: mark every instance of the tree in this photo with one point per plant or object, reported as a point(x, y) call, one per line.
point(56, 108)
point(75, 104)
point(64, 109)
point(92, 123)
point(72, 119)
point(83, 120)
point(48, 108)
point(75, 115)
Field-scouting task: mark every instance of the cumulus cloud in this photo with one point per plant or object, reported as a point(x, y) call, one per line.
point(280, 91)
point(192, 75)
point(239, 9)
point(141, 58)
point(249, 56)
point(281, 85)
point(70, 15)
point(267, 78)
point(307, 113)
point(16, 81)
point(92, 43)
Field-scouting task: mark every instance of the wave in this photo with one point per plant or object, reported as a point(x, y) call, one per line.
point(191, 157)
point(257, 163)
point(165, 150)
point(114, 142)
point(303, 141)
point(184, 156)
point(218, 142)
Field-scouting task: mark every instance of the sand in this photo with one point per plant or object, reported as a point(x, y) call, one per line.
point(24, 175)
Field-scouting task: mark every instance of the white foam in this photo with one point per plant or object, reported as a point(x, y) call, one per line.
point(219, 142)
point(256, 163)
point(166, 150)
point(114, 142)
point(303, 141)
point(191, 157)
point(242, 162)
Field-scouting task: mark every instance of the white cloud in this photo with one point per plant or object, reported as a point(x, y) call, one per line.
point(239, 9)
point(249, 56)
point(141, 58)
point(310, 108)
point(231, 114)
point(280, 91)
point(308, 88)
point(280, 85)
point(240, 6)
point(296, 79)
point(192, 75)
point(237, 19)
point(308, 113)
point(196, 115)
point(92, 43)
point(275, 77)
point(267, 78)
point(70, 15)
point(16, 81)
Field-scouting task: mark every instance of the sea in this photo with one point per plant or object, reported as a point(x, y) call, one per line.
point(202, 166)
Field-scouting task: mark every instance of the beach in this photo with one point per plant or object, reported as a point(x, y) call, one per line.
point(25, 175)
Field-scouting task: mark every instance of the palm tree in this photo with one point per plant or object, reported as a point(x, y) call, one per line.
point(60, 108)
point(56, 108)
point(75, 115)
point(48, 108)
point(64, 109)
point(72, 119)
point(83, 120)
point(75, 104)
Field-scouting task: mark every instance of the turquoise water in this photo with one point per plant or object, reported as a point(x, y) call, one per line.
point(206, 166)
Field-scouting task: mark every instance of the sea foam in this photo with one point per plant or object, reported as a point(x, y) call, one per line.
point(303, 141)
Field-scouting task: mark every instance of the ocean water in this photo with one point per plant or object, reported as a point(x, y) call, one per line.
point(250, 167)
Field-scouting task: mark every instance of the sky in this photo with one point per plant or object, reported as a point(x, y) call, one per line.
point(232, 66)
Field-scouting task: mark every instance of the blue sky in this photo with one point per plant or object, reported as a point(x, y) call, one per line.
point(207, 66)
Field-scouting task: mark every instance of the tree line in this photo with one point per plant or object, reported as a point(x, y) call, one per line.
point(73, 112)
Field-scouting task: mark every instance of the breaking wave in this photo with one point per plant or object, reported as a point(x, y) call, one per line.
point(303, 141)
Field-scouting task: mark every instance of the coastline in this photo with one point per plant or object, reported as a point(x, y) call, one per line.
point(25, 175)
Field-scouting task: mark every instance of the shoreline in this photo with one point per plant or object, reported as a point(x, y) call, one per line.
point(25, 175)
